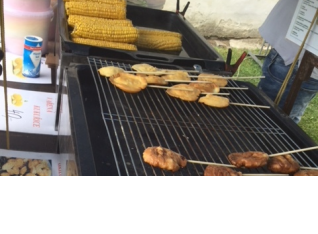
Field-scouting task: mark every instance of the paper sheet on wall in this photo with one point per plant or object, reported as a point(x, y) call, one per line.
point(301, 21)
point(20, 163)
point(29, 111)
point(14, 71)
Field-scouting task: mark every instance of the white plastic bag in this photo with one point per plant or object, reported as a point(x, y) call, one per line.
point(156, 4)
point(138, 2)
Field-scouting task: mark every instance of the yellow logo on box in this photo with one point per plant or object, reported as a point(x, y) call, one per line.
point(16, 100)
point(17, 67)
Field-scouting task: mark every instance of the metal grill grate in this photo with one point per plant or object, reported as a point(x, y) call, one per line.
point(152, 118)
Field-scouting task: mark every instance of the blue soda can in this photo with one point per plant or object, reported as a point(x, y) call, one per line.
point(32, 56)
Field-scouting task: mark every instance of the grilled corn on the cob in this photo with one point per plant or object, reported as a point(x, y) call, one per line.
point(105, 33)
point(159, 33)
point(122, 2)
point(109, 44)
point(159, 43)
point(95, 9)
point(73, 19)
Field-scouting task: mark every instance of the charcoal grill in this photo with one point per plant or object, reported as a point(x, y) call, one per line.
point(120, 126)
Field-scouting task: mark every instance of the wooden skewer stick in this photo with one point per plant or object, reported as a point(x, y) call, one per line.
point(171, 71)
point(249, 105)
point(265, 174)
point(232, 166)
point(210, 163)
point(249, 77)
point(235, 88)
point(163, 72)
point(188, 81)
point(229, 78)
point(294, 151)
point(309, 168)
point(220, 94)
point(168, 87)
point(159, 72)
point(235, 104)
point(205, 82)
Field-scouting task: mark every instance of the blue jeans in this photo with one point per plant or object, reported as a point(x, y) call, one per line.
point(275, 72)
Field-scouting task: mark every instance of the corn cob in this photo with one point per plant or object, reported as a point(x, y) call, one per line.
point(159, 43)
point(159, 33)
point(108, 44)
point(105, 33)
point(96, 9)
point(119, 2)
point(73, 19)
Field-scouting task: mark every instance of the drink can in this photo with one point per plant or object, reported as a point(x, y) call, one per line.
point(32, 56)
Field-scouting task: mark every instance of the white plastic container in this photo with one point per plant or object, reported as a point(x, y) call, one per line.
point(19, 24)
point(28, 5)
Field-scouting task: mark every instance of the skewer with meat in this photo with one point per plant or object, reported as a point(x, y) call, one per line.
point(215, 101)
point(177, 75)
point(184, 92)
point(143, 67)
point(284, 164)
point(206, 87)
point(306, 173)
point(153, 79)
point(222, 102)
point(220, 171)
point(218, 80)
point(110, 71)
point(251, 159)
point(164, 158)
point(128, 83)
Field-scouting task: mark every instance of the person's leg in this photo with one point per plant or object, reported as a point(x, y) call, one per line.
point(275, 72)
point(305, 95)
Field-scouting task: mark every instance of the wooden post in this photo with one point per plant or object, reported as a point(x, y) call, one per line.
point(305, 69)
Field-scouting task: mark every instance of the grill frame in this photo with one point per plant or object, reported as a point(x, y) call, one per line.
point(98, 141)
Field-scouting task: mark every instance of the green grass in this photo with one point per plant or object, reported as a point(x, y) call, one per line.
point(309, 121)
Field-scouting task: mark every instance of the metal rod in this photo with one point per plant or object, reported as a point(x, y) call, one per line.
point(4, 75)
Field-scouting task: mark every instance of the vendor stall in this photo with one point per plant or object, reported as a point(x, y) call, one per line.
point(98, 128)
